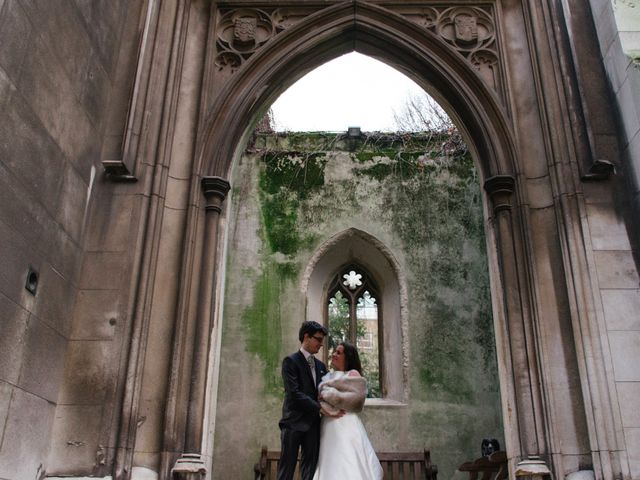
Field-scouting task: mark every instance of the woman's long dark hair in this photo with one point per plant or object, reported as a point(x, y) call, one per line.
point(351, 358)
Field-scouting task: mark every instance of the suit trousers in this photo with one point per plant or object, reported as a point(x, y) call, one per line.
point(292, 441)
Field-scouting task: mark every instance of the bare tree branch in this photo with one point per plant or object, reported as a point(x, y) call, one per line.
point(421, 113)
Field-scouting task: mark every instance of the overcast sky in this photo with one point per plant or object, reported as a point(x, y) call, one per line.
point(351, 91)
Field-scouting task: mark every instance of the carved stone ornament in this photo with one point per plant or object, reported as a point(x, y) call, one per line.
point(466, 28)
point(469, 29)
point(242, 31)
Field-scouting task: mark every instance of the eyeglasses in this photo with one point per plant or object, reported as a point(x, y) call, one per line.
point(319, 339)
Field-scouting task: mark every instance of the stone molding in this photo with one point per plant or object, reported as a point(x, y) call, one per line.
point(470, 29)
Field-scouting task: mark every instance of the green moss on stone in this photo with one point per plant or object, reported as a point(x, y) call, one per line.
point(287, 180)
point(263, 325)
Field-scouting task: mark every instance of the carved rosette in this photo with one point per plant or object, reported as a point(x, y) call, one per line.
point(241, 32)
point(471, 31)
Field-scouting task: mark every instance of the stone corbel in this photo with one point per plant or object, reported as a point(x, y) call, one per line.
point(500, 189)
point(190, 466)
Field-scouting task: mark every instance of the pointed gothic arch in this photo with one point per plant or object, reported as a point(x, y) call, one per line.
point(378, 32)
point(354, 246)
point(374, 31)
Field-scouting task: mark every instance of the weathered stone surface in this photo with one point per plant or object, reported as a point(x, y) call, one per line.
point(633, 152)
point(621, 309)
point(616, 65)
point(110, 226)
point(616, 269)
point(43, 363)
point(76, 433)
point(96, 315)
point(629, 107)
point(606, 25)
point(632, 438)
point(31, 155)
point(608, 231)
point(628, 394)
point(54, 301)
point(88, 373)
point(103, 19)
point(63, 28)
point(539, 192)
point(177, 193)
point(6, 391)
point(15, 258)
point(65, 254)
point(13, 325)
point(625, 351)
point(73, 203)
point(103, 271)
point(17, 35)
point(28, 427)
point(53, 98)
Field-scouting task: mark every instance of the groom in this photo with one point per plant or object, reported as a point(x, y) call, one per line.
point(300, 423)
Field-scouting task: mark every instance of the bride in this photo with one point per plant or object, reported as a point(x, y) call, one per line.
point(345, 449)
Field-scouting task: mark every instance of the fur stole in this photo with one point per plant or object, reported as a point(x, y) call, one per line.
point(343, 393)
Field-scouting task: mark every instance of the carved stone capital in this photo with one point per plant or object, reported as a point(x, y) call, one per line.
point(215, 190)
point(500, 188)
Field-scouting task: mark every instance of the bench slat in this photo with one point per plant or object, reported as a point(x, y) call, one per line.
point(395, 465)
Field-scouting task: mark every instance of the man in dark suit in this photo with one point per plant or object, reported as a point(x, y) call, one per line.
point(300, 423)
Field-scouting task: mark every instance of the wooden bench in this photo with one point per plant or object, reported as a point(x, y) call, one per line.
point(493, 467)
point(396, 465)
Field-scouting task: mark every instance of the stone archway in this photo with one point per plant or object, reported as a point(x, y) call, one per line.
point(476, 86)
point(371, 30)
point(440, 67)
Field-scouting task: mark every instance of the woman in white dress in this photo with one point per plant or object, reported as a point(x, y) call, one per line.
point(345, 449)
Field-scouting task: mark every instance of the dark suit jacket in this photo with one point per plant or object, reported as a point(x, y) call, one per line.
point(300, 409)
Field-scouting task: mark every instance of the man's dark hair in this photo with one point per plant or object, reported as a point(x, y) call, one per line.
point(351, 358)
point(311, 328)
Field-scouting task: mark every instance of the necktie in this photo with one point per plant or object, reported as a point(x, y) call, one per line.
point(312, 365)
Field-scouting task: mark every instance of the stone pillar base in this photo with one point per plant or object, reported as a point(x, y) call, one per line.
point(533, 468)
point(189, 467)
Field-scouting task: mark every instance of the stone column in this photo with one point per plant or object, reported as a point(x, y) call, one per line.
point(190, 465)
point(526, 425)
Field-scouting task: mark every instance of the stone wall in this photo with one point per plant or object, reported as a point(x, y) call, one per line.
point(57, 69)
point(618, 27)
point(421, 198)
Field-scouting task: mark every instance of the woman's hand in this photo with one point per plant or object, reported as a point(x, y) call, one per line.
point(325, 413)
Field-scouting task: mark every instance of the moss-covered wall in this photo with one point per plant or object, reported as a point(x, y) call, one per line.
point(419, 195)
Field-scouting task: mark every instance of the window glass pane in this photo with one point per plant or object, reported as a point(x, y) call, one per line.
point(367, 317)
point(338, 320)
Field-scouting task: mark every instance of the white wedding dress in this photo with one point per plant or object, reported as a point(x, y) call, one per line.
point(345, 449)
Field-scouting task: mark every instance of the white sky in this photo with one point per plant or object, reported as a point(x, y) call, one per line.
point(350, 91)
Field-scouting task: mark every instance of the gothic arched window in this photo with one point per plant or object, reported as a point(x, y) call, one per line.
point(354, 314)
